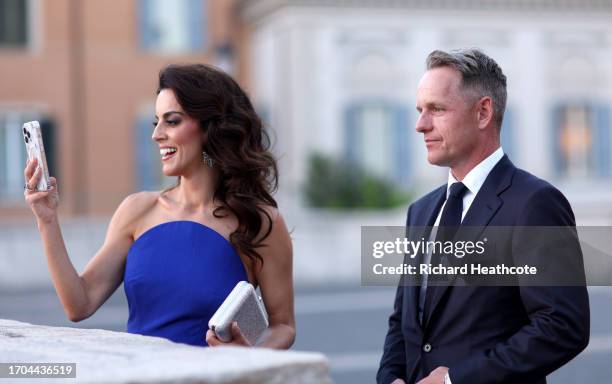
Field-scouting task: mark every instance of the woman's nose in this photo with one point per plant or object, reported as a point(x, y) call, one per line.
point(158, 133)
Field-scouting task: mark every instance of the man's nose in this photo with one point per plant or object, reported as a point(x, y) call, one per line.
point(423, 123)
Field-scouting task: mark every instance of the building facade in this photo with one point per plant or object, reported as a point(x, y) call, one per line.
point(331, 77)
point(340, 77)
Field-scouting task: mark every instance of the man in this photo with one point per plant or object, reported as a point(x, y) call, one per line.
point(471, 334)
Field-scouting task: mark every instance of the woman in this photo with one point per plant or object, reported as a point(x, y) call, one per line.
point(180, 251)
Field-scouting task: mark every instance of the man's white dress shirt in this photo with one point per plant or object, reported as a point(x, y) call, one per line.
point(473, 181)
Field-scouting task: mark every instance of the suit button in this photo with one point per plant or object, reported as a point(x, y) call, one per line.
point(427, 347)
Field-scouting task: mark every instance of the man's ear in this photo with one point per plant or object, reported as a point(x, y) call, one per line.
point(484, 109)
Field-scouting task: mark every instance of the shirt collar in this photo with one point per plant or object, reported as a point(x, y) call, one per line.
point(477, 176)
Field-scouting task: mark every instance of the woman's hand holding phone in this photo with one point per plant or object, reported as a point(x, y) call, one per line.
point(43, 204)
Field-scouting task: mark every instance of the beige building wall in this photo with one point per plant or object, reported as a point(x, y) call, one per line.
point(85, 69)
point(38, 77)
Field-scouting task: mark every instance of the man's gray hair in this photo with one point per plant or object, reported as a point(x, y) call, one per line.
point(480, 75)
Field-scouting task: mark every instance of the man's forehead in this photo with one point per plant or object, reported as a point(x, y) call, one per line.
point(442, 80)
point(441, 77)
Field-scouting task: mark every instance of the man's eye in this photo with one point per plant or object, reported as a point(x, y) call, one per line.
point(154, 124)
point(437, 109)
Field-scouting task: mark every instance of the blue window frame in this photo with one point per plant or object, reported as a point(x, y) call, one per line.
point(173, 26)
point(376, 139)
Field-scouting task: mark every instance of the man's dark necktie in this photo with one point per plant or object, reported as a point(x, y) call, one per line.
point(449, 223)
point(451, 215)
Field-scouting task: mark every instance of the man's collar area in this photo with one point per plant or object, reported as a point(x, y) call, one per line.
point(476, 177)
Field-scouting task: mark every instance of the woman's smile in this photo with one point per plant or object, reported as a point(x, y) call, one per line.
point(167, 152)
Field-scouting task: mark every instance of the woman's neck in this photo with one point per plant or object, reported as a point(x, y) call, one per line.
point(196, 190)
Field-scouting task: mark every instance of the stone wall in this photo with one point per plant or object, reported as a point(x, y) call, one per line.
point(115, 357)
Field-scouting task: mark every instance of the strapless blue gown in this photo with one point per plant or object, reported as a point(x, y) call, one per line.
point(176, 276)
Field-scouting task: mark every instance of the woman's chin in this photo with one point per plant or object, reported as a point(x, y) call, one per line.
point(170, 172)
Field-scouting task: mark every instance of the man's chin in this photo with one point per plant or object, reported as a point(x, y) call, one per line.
point(436, 160)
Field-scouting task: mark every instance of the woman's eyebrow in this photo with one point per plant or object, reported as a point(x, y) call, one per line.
point(165, 115)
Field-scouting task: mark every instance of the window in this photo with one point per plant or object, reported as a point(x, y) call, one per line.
point(149, 174)
point(13, 154)
point(376, 139)
point(582, 140)
point(13, 23)
point(172, 26)
point(507, 133)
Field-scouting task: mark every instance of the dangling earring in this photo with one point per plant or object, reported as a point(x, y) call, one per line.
point(207, 159)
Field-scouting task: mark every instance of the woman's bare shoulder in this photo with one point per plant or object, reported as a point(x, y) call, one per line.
point(273, 224)
point(275, 238)
point(270, 211)
point(139, 202)
point(134, 209)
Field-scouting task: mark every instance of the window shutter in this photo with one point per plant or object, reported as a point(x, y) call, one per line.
point(507, 133)
point(145, 29)
point(47, 128)
point(555, 131)
point(145, 167)
point(401, 168)
point(602, 142)
point(351, 134)
point(197, 25)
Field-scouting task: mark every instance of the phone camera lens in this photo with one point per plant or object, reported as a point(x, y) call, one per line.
point(27, 140)
point(25, 131)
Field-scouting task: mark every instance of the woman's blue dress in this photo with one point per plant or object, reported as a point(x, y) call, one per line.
point(176, 276)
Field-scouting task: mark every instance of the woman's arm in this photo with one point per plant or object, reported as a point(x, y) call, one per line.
point(275, 279)
point(104, 272)
point(82, 295)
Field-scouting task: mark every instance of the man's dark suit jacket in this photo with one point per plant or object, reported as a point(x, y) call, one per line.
point(492, 334)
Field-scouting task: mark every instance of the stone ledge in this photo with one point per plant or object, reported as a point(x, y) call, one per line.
point(114, 357)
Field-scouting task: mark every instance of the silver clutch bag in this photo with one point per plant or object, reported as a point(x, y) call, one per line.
point(243, 306)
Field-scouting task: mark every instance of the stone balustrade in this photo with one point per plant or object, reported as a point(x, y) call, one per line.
point(115, 357)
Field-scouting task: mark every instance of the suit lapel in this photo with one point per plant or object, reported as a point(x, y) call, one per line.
point(424, 219)
point(487, 202)
point(484, 207)
point(427, 216)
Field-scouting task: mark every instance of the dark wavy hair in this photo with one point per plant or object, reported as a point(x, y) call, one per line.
point(237, 143)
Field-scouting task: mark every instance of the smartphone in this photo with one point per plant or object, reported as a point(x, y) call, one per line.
point(32, 136)
point(243, 306)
